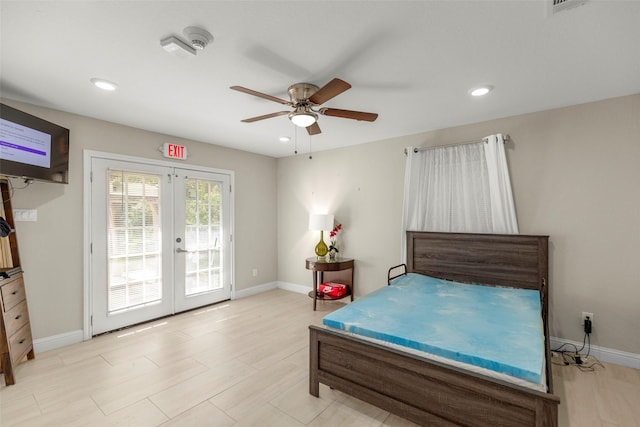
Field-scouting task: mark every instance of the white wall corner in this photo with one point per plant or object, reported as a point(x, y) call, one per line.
point(603, 354)
point(41, 345)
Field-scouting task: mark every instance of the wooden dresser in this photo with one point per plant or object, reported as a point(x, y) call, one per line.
point(15, 329)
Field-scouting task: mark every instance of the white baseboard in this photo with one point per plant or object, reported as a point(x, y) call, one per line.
point(603, 354)
point(243, 293)
point(41, 345)
point(294, 287)
point(291, 287)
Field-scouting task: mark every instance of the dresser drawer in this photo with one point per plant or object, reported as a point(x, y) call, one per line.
point(16, 318)
point(12, 293)
point(20, 343)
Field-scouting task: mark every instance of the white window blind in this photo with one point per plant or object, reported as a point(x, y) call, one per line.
point(134, 243)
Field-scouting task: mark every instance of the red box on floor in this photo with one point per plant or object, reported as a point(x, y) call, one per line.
point(332, 289)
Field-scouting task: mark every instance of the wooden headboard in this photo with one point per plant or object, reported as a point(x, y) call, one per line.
point(513, 260)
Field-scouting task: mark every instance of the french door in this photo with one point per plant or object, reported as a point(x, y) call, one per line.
point(202, 256)
point(160, 241)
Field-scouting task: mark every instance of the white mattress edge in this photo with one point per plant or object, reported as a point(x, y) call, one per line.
point(476, 369)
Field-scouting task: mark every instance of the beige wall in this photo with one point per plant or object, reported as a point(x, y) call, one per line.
point(51, 249)
point(575, 173)
point(576, 177)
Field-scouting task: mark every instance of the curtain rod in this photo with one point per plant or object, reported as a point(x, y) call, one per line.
point(505, 138)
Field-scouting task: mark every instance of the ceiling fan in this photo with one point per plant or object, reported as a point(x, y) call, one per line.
point(304, 98)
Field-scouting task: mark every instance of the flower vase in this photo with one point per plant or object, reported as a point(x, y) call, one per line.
point(332, 256)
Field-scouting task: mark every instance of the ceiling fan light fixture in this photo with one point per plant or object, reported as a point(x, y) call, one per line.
point(302, 118)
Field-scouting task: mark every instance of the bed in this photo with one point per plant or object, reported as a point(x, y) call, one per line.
point(432, 392)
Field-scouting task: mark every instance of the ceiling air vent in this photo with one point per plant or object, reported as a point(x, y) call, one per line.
point(555, 6)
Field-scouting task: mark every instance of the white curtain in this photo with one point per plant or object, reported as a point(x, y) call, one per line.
point(503, 210)
point(459, 188)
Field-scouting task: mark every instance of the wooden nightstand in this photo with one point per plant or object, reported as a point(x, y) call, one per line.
point(339, 269)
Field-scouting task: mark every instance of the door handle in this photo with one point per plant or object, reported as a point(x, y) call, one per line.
point(184, 251)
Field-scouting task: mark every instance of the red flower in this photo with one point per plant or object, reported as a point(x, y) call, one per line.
point(335, 230)
point(332, 238)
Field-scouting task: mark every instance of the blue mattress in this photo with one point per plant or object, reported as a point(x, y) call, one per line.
point(495, 328)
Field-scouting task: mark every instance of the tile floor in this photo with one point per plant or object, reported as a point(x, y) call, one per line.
point(240, 363)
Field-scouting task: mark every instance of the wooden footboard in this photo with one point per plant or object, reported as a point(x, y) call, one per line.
point(420, 390)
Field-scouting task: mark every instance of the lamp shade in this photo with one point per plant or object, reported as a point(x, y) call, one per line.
point(319, 222)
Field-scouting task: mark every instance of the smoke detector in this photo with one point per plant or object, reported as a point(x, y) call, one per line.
point(197, 37)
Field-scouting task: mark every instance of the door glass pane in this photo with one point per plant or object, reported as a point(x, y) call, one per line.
point(134, 241)
point(203, 233)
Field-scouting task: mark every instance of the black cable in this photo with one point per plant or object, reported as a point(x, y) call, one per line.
point(584, 340)
point(571, 358)
point(13, 189)
point(589, 349)
point(559, 349)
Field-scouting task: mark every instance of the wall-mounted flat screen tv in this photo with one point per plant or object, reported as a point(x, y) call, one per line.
point(32, 148)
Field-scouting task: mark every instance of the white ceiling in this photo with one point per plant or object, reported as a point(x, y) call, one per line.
point(412, 62)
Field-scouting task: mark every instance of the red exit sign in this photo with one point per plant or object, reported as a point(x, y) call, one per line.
point(174, 151)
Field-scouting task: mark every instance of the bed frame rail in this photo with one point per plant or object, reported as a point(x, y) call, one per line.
point(421, 390)
point(395, 273)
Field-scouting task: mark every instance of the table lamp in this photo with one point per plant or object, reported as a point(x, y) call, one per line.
point(321, 222)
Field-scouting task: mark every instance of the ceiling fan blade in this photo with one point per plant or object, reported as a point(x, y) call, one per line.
point(314, 129)
point(266, 116)
point(260, 95)
point(334, 88)
point(349, 114)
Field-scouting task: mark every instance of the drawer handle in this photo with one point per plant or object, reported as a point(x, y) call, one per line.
point(14, 292)
point(22, 340)
point(18, 316)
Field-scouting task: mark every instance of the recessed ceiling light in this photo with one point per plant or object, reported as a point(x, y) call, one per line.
point(481, 90)
point(284, 139)
point(104, 84)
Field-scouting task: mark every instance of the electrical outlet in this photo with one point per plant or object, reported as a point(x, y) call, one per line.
point(584, 316)
point(255, 272)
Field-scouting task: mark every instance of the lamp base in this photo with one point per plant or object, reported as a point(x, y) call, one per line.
point(321, 248)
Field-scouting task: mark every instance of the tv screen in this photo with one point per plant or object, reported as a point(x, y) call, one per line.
point(32, 148)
